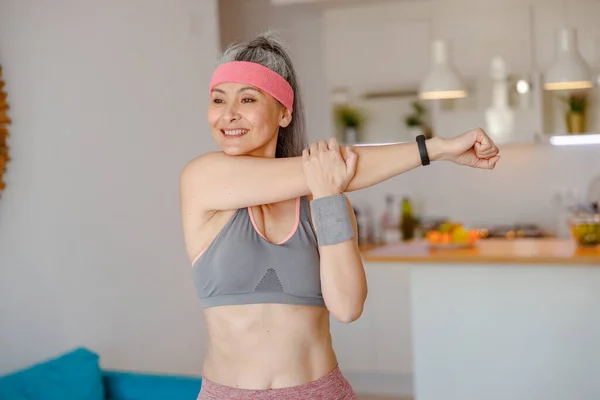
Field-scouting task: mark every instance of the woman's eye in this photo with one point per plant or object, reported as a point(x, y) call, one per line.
point(247, 100)
point(217, 101)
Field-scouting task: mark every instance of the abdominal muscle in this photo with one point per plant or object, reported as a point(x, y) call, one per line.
point(267, 346)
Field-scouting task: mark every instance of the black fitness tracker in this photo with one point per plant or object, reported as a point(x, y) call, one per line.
point(423, 150)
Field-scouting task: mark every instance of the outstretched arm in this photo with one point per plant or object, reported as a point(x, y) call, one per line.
point(216, 181)
point(380, 163)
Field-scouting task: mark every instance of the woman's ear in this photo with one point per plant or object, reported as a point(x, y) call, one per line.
point(286, 118)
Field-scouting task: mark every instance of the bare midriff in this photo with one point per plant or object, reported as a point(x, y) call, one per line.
point(267, 346)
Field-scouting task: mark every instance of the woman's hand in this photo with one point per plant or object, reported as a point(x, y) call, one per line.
point(325, 170)
point(474, 149)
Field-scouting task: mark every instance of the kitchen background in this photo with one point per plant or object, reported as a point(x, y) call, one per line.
point(381, 51)
point(119, 90)
point(375, 55)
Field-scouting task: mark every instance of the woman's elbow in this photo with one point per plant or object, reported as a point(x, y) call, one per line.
point(348, 315)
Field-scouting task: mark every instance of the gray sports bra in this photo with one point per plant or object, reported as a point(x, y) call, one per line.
point(240, 266)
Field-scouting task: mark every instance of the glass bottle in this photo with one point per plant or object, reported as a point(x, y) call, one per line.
point(389, 222)
point(407, 220)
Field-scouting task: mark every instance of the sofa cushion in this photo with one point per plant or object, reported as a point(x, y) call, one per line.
point(75, 375)
point(136, 386)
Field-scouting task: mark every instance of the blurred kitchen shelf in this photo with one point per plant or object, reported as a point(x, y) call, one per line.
point(576, 139)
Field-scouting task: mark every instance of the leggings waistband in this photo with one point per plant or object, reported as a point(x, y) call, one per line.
point(332, 386)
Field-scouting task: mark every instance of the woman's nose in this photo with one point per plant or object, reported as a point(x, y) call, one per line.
point(231, 113)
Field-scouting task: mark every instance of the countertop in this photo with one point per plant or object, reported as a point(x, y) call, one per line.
point(517, 251)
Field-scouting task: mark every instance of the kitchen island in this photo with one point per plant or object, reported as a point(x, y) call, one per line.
point(507, 319)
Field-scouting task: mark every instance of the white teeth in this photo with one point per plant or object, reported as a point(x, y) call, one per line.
point(234, 132)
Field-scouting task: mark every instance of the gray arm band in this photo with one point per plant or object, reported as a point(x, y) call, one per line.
point(332, 221)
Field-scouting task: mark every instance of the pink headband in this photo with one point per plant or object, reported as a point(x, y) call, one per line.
point(256, 75)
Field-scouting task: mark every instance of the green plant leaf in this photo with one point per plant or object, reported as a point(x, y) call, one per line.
point(349, 116)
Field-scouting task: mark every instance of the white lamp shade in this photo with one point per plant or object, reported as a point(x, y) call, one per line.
point(442, 82)
point(569, 71)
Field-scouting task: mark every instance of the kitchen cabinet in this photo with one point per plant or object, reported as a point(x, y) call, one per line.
point(505, 320)
point(375, 351)
point(383, 331)
point(506, 331)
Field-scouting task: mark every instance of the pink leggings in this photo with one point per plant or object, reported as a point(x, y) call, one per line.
point(332, 386)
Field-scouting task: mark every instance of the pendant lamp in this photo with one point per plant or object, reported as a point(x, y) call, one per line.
point(569, 71)
point(443, 81)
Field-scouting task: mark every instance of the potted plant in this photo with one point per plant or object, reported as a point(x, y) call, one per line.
point(416, 121)
point(577, 103)
point(350, 120)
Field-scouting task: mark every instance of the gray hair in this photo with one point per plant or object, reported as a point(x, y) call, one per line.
point(270, 51)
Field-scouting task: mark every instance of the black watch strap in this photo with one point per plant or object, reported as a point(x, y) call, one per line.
point(423, 150)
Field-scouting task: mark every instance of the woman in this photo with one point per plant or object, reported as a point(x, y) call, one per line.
point(271, 235)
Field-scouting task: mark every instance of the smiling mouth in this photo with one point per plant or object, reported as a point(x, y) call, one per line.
point(234, 133)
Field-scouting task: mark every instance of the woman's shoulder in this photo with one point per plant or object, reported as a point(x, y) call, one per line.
point(201, 161)
point(197, 173)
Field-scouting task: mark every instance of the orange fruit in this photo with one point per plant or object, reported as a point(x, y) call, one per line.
point(433, 237)
point(445, 238)
point(473, 236)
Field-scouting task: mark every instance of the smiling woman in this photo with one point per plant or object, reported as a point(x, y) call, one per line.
point(271, 235)
point(4, 121)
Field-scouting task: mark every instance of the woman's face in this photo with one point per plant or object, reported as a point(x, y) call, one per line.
point(245, 120)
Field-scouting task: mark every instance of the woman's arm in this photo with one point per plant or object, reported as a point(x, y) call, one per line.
point(343, 279)
point(216, 181)
point(382, 162)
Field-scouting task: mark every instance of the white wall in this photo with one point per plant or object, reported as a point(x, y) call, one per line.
point(108, 101)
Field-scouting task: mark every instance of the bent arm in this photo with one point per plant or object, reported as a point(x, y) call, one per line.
point(343, 278)
point(216, 181)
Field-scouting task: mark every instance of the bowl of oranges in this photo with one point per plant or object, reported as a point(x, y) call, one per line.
point(450, 235)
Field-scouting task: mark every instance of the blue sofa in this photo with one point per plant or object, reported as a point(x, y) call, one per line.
point(77, 375)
